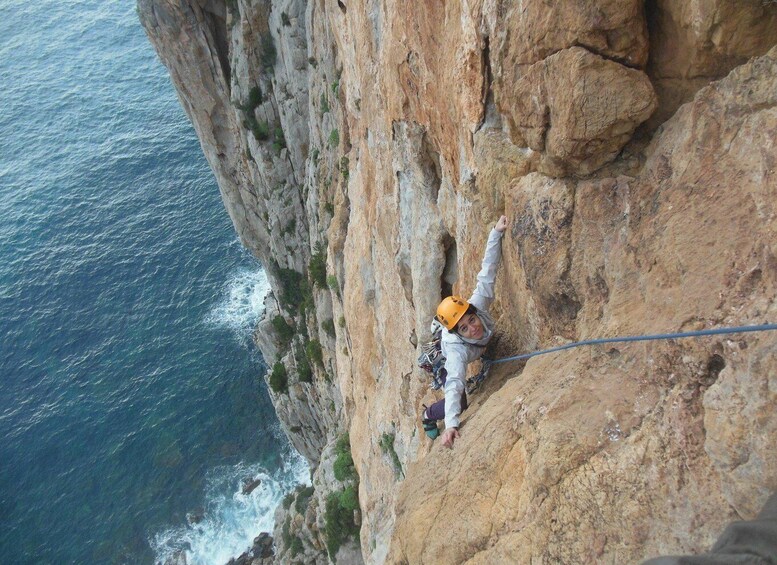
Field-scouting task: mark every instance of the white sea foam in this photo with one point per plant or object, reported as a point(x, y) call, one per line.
point(242, 302)
point(231, 520)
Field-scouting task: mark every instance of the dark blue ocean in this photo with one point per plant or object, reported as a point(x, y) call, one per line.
point(130, 392)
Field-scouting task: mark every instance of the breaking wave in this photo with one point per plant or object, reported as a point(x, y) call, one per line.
point(230, 520)
point(242, 303)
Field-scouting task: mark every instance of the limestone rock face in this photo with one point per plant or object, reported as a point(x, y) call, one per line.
point(578, 109)
point(363, 152)
point(526, 33)
point(622, 452)
point(695, 42)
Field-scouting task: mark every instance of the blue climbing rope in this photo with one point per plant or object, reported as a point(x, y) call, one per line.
point(699, 333)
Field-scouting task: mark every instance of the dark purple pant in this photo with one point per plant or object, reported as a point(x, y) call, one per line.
point(437, 410)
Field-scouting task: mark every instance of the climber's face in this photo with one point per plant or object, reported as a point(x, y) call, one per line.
point(470, 327)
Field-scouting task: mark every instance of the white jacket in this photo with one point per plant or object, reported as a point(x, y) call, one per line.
point(458, 351)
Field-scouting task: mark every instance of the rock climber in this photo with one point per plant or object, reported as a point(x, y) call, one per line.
point(467, 329)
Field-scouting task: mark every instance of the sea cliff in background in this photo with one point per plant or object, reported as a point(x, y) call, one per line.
point(364, 149)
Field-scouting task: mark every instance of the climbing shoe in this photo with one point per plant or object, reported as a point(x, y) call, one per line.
point(431, 429)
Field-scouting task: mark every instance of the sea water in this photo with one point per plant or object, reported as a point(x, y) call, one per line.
point(130, 393)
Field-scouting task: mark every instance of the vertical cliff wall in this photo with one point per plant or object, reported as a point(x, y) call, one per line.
point(363, 151)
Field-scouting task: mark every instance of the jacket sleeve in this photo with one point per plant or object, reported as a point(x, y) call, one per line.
point(456, 366)
point(483, 295)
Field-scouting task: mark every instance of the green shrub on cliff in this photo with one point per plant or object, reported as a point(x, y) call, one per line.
point(286, 532)
point(294, 288)
point(279, 379)
point(329, 327)
point(387, 446)
point(296, 547)
point(283, 330)
point(334, 138)
point(254, 98)
point(304, 372)
point(314, 353)
point(339, 520)
point(268, 52)
point(290, 227)
point(279, 142)
point(343, 466)
point(317, 266)
point(349, 498)
point(303, 498)
point(260, 130)
point(323, 103)
point(340, 506)
point(343, 444)
point(344, 163)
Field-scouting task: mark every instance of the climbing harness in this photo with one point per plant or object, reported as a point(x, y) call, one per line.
point(699, 333)
point(432, 360)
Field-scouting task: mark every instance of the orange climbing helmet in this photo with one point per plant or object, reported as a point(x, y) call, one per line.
point(450, 311)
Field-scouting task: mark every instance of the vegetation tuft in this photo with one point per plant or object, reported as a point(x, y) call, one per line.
point(317, 266)
point(304, 372)
point(344, 162)
point(303, 498)
point(279, 379)
point(283, 330)
point(334, 138)
point(296, 546)
point(279, 142)
point(286, 531)
point(339, 520)
point(314, 353)
point(260, 130)
point(343, 466)
point(387, 446)
point(254, 98)
point(329, 327)
point(269, 53)
point(295, 290)
point(290, 227)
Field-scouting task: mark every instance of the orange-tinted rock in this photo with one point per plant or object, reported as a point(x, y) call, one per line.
point(411, 128)
point(622, 452)
point(578, 109)
point(694, 43)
